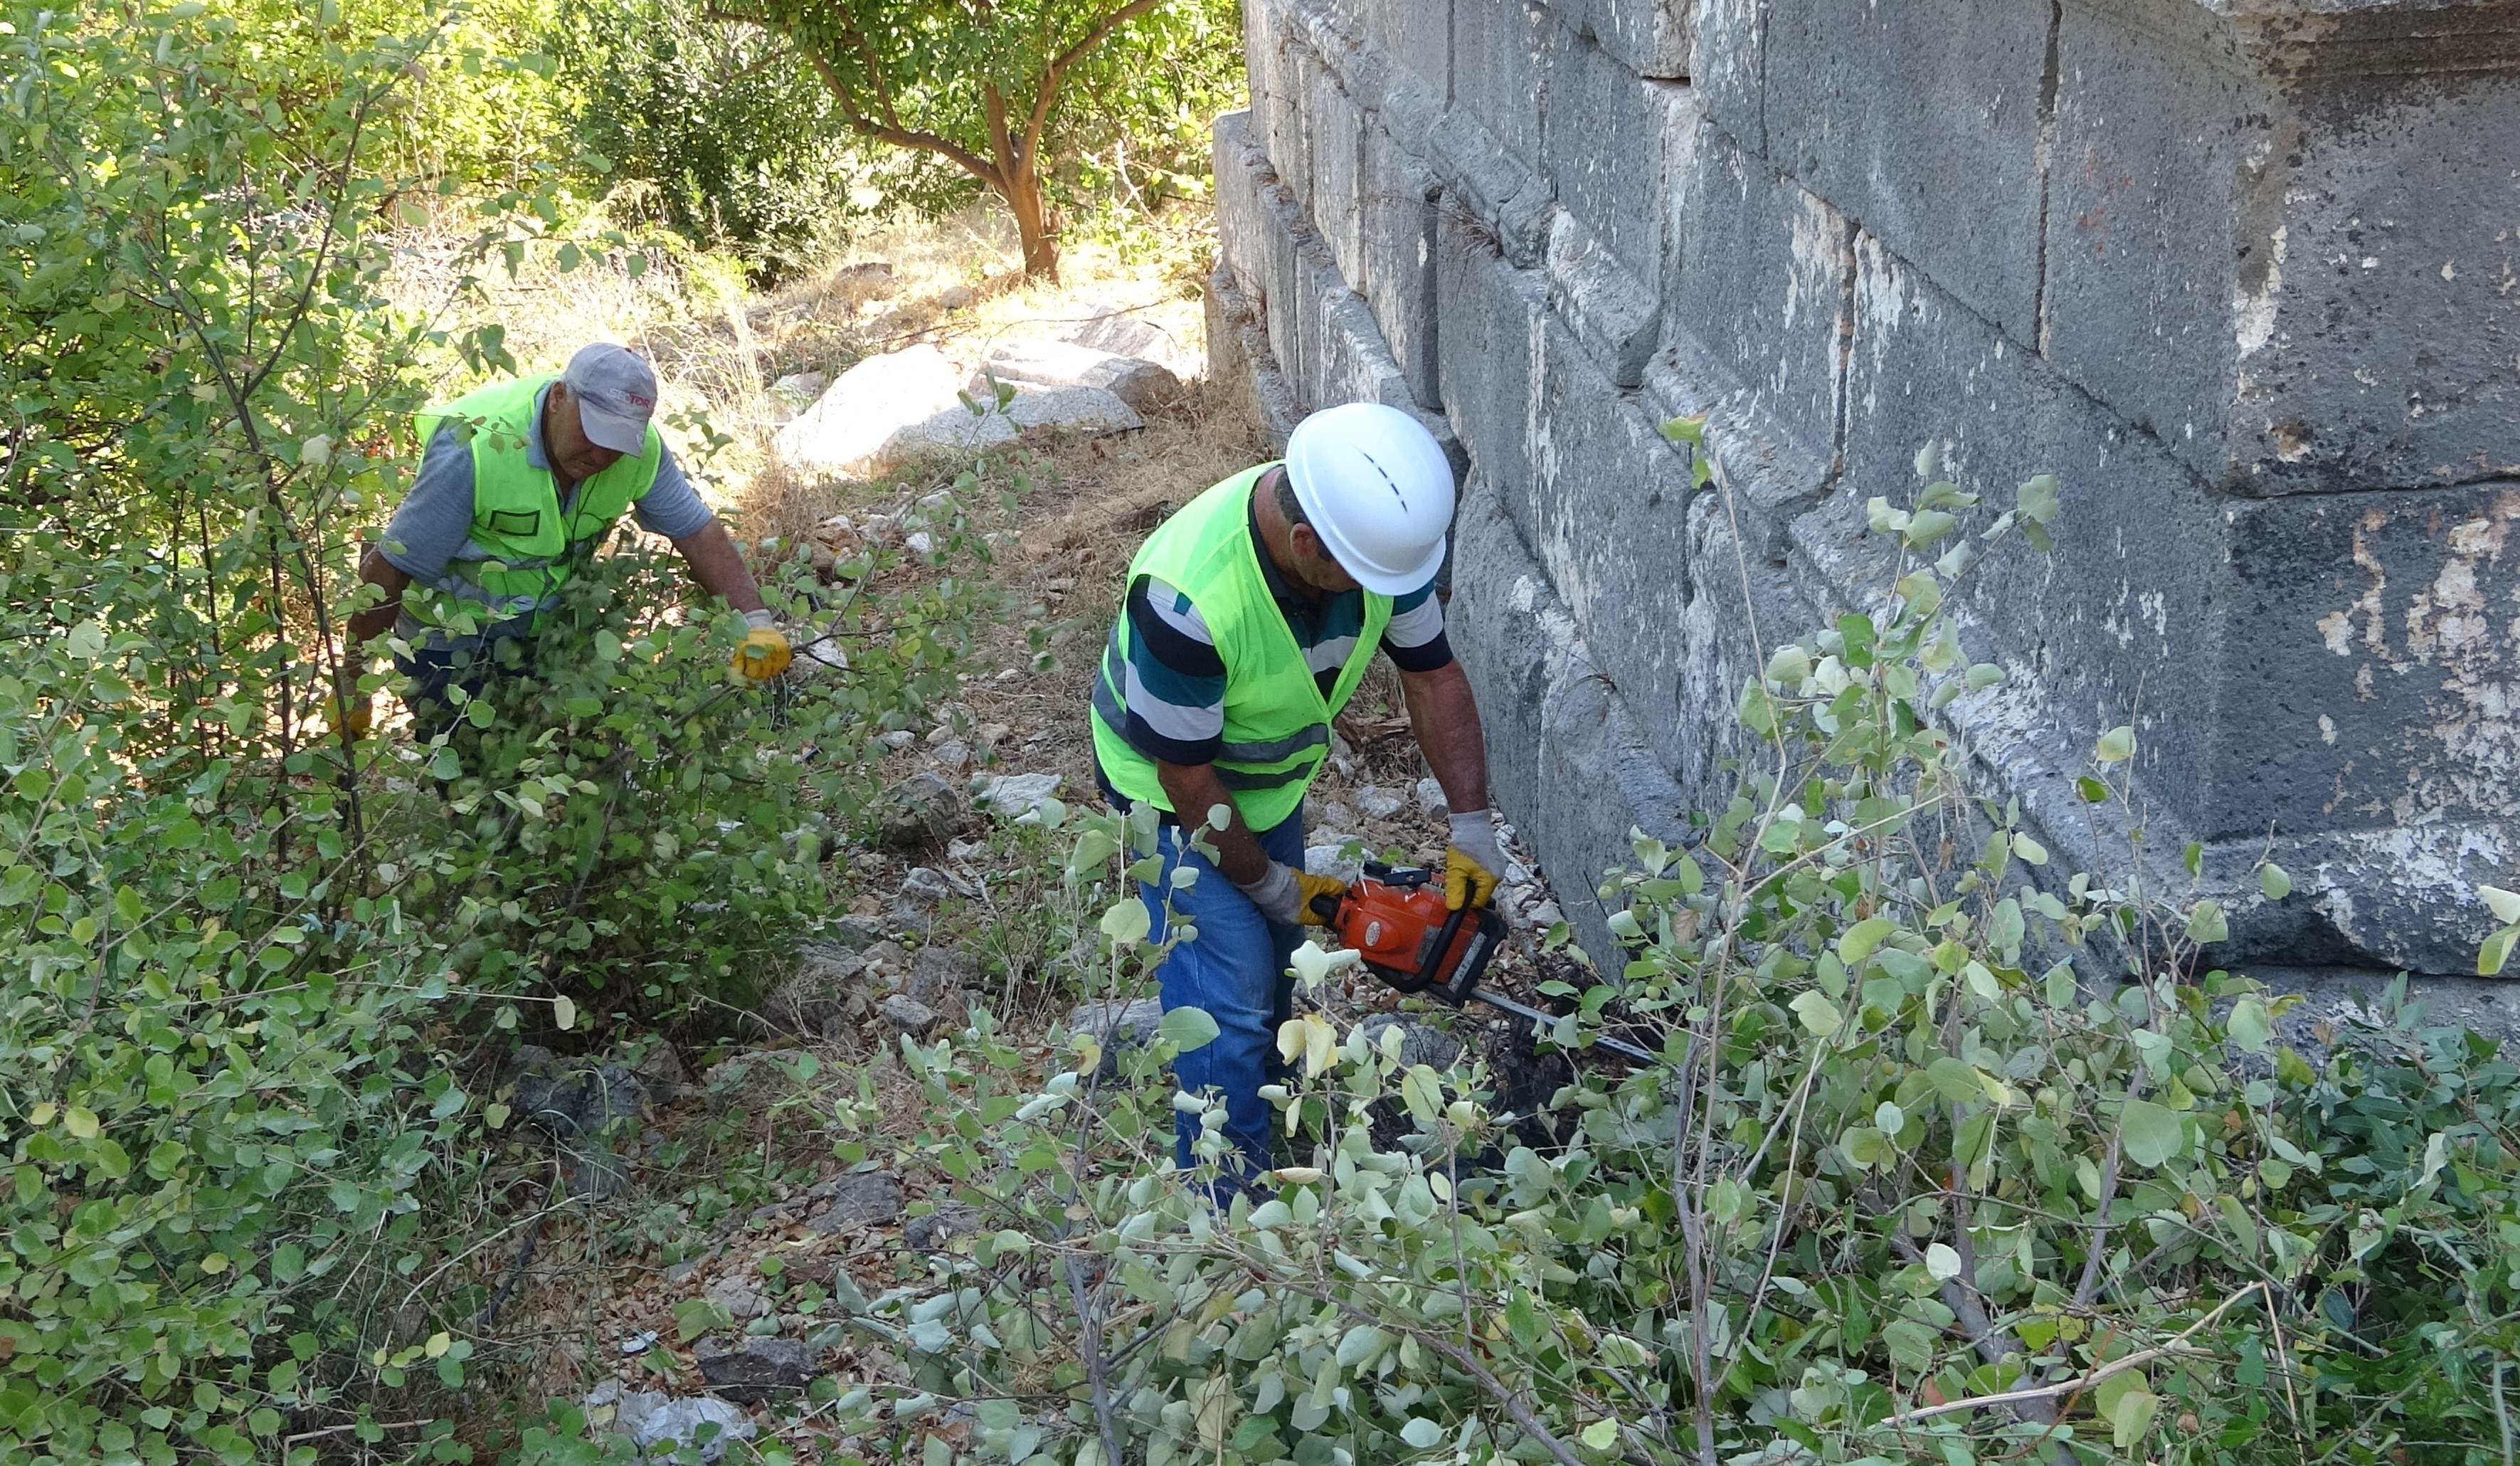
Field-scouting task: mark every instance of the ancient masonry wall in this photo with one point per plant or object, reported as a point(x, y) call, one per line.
point(2245, 275)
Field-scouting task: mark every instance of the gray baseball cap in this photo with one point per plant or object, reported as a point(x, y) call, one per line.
point(616, 394)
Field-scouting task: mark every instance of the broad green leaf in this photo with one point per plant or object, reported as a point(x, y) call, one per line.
point(2149, 1133)
point(2250, 1026)
point(2130, 1420)
point(2504, 905)
point(563, 1013)
point(1818, 1013)
point(2277, 882)
point(2117, 745)
point(2207, 924)
point(1859, 940)
point(1941, 1263)
point(1128, 921)
point(2495, 951)
point(1602, 1434)
point(1419, 1432)
point(1187, 1028)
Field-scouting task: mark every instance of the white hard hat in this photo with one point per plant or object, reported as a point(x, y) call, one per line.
point(1377, 490)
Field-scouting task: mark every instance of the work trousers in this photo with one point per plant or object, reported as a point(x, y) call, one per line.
point(1236, 970)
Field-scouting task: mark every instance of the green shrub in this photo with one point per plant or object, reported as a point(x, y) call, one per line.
point(241, 968)
point(723, 132)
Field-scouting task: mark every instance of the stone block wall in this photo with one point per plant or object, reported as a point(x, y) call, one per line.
point(2245, 274)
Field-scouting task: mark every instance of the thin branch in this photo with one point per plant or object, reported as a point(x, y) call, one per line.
point(1051, 76)
point(901, 137)
point(2014, 1398)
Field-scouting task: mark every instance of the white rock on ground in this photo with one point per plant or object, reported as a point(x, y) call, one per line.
point(1066, 409)
point(1325, 861)
point(848, 425)
point(1108, 328)
point(1430, 797)
point(1014, 795)
point(1377, 803)
point(1034, 363)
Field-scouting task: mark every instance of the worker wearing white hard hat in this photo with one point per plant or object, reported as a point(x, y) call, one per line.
point(1252, 616)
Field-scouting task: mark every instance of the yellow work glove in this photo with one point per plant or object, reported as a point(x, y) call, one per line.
point(356, 716)
point(1319, 913)
point(764, 654)
point(1473, 863)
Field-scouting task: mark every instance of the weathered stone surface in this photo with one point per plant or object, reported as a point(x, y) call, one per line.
point(1611, 311)
point(1487, 328)
point(1763, 276)
point(752, 1370)
point(859, 1199)
point(932, 1230)
point(1650, 37)
point(942, 979)
point(2290, 259)
point(922, 813)
point(1501, 70)
point(1923, 122)
point(1607, 135)
point(1089, 410)
point(846, 429)
point(1421, 1043)
point(1727, 67)
point(1401, 219)
point(2238, 275)
point(1118, 1026)
point(1336, 201)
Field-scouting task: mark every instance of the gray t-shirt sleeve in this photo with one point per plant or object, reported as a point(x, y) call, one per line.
point(436, 517)
point(671, 507)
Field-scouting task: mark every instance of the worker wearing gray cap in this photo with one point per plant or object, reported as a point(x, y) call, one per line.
point(518, 482)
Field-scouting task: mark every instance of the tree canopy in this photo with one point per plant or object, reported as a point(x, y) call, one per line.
point(1005, 89)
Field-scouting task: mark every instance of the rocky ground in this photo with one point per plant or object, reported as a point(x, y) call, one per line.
point(675, 1220)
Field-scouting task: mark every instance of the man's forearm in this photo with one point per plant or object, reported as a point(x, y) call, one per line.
point(1445, 717)
point(719, 565)
point(1194, 789)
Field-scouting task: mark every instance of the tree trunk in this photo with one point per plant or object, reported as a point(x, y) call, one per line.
point(1034, 222)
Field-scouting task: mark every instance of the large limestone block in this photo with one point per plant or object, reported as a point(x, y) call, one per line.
point(1727, 67)
point(1501, 70)
point(1487, 328)
point(1607, 518)
point(1416, 36)
point(1648, 37)
point(846, 429)
point(1567, 762)
point(1336, 206)
point(1401, 220)
point(2367, 666)
point(2285, 242)
point(1608, 137)
point(1921, 120)
point(1087, 410)
point(1763, 285)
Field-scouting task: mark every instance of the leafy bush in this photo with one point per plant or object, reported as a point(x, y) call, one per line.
point(243, 965)
point(727, 134)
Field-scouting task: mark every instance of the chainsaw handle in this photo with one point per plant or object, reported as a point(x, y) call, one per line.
point(1327, 907)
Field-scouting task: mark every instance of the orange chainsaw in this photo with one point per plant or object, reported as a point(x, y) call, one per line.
point(1396, 920)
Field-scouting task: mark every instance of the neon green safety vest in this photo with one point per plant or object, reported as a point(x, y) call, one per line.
point(517, 519)
point(1277, 722)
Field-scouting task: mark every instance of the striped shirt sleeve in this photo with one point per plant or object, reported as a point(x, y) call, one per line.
point(1414, 638)
point(1174, 681)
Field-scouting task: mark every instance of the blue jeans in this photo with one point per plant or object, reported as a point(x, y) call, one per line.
point(1235, 969)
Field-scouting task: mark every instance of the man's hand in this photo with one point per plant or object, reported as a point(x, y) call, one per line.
point(1285, 895)
point(764, 654)
point(1475, 861)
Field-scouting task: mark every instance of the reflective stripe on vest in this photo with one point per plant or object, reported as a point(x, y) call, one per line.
point(532, 547)
point(1277, 722)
